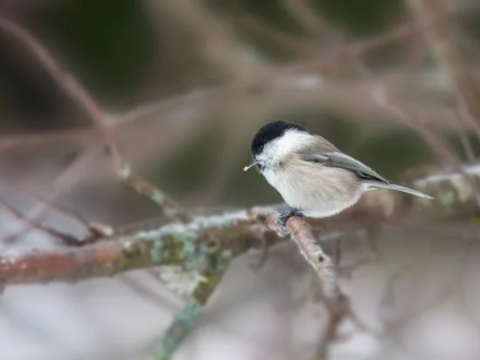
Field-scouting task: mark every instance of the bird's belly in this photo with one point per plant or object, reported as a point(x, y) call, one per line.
point(317, 194)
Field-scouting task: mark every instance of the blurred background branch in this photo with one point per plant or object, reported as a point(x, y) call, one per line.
point(178, 88)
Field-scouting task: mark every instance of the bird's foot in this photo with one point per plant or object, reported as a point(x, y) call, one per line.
point(283, 217)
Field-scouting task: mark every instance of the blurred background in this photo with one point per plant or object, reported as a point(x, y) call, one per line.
point(185, 85)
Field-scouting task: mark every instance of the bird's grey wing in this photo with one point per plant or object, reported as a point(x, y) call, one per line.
point(344, 161)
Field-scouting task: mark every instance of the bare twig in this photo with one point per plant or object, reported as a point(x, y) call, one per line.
point(276, 87)
point(95, 229)
point(232, 234)
point(34, 223)
point(428, 14)
point(337, 303)
point(350, 52)
point(306, 16)
point(276, 36)
point(309, 247)
point(101, 121)
point(81, 136)
point(438, 145)
point(61, 183)
point(218, 41)
point(413, 120)
point(230, 229)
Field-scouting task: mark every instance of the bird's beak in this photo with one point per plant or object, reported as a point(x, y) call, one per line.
point(253, 163)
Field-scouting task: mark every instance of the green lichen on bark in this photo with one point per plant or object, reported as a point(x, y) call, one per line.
point(186, 319)
point(182, 325)
point(213, 274)
point(175, 247)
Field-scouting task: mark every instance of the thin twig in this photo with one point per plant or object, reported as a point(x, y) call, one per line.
point(441, 148)
point(428, 14)
point(100, 119)
point(337, 303)
point(309, 247)
point(219, 43)
point(30, 224)
point(307, 16)
point(61, 183)
point(176, 243)
point(81, 136)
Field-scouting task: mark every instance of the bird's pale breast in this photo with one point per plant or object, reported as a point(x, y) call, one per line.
point(316, 190)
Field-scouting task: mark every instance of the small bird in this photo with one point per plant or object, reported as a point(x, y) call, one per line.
point(314, 178)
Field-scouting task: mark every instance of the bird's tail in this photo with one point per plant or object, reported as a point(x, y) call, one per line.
point(400, 188)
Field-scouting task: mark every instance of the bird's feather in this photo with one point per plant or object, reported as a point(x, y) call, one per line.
point(341, 160)
point(400, 188)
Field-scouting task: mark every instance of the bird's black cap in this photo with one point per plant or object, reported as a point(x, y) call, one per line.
point(270, 132)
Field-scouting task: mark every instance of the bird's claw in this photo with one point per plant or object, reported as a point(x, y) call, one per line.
point(283, 217)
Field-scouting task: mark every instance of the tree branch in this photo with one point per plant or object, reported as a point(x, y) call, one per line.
point(439, 36)
point(177, 243)
point(310, 248)
point(99, 118)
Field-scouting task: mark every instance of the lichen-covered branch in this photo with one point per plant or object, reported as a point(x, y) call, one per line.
point(220, 238)
point(170, 244)
point(181, 242)
point(73, 264)
point(186, 319)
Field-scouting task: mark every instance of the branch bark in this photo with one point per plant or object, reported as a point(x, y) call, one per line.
point(178, 242)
